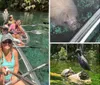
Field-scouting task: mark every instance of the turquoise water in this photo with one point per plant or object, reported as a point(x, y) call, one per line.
point(39, 53)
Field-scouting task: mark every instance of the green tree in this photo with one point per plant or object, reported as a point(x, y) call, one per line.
point(25, 5)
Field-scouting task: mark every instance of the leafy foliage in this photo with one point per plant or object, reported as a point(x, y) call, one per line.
point(90, 51)
point(26, 5)
point(62, 52)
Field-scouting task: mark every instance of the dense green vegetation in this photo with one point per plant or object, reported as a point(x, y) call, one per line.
point(24, 5)
point(64, 56)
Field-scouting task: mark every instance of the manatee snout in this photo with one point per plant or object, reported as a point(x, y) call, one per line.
point(72, 24)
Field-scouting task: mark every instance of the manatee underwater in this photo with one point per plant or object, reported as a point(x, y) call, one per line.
point(64, 13)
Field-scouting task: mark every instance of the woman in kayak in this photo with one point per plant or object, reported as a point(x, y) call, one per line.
point(8, 59)
point(16, 29)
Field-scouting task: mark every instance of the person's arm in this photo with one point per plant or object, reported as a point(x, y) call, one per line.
point(2, 69)
point(20, 28)
point(0, 60)
point(9, 29)
point(0, 53)
point(16, 67)
point(16, 40)
point(19, 41)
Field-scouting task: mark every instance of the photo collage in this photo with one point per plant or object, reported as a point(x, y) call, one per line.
point(49, 42)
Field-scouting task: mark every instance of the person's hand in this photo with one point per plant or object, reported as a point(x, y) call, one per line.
point(22, 43)
point(13, 79)
point(5, 70)
point(1, 79)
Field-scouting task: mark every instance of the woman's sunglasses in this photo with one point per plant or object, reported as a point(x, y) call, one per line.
point(7, 41)
point(10, 17)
